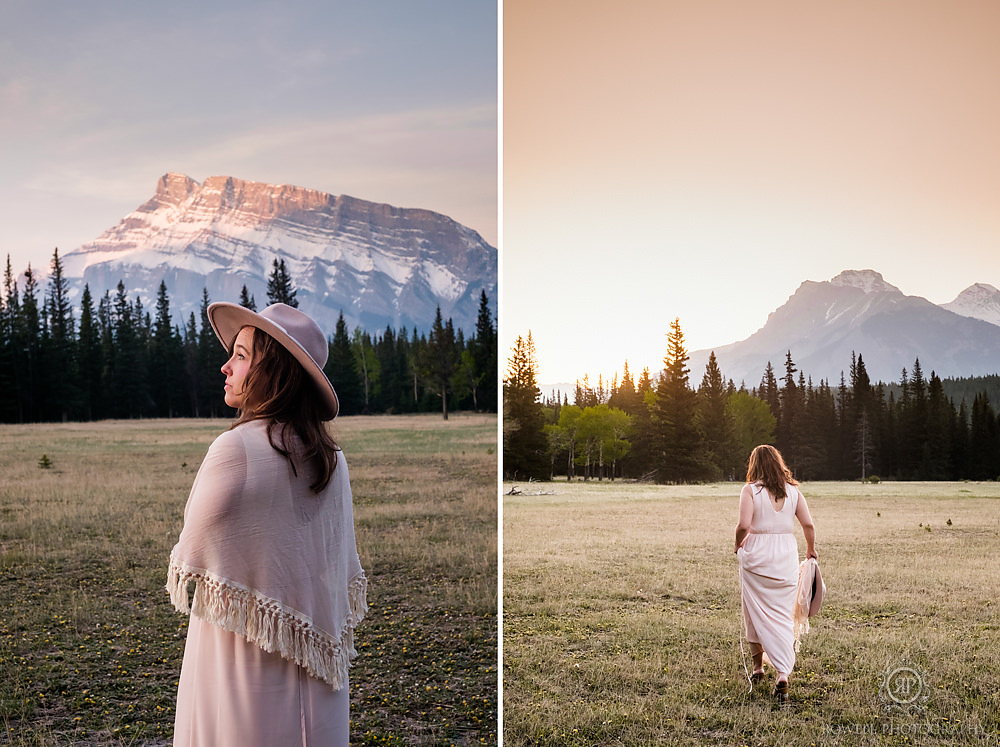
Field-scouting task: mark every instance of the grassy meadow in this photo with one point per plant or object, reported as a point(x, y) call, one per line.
point(621, 620)
point(90, 647)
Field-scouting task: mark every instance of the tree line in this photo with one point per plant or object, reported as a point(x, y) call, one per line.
point(671, 431)
point(118, 360)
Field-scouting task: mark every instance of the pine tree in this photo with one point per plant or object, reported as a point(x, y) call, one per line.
point(844, 453)
point(483, 348)
point(9, 313)
point(279, 285)
point(143, 325)
point(716, 428)
point(769, 391)
point(27, 348)
point(246, 300)
point(680, 457)
point(936, 462)
point(818, 432)
point(960, 442)
point(192, 373)
point(524, 441)
point(89, 358)
point(984, 438)
point(59, 357)
point(438, 361)
point(167, 353)
point(789, 436)
point(392, 373)
point(861, 417)
point(210, 357)
point(107, 401)
point(625, 396)
point(642, 459)
point(129, 386)
point(342, 371)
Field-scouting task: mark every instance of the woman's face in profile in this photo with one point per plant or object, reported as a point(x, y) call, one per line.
point(237, 366)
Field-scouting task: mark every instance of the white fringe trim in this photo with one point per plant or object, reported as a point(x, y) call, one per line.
point(269, 624)
point(800, 611)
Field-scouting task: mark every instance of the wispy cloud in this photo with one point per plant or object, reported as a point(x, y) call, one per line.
point(440, 159)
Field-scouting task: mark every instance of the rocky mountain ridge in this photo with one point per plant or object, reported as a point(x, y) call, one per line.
point(379, 264)
point(823, 323)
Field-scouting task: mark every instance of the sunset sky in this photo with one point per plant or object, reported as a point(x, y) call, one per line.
point(390, 101)
point(700, 160)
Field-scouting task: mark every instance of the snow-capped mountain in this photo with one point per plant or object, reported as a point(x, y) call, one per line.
point(980, 301)
point(381, 265)
point(822, 323)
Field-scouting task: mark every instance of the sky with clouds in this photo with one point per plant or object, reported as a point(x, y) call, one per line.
point(390, 101)
point(700, 160)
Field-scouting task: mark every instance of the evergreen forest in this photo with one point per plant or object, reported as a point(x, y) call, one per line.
point(672, 430)
point(111, 358)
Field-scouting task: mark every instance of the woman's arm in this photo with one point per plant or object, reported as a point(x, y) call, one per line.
point(808, 530)
point(746, 516)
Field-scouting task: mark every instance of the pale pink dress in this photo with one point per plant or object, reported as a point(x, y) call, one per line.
point(769, 573)
point(233, 693)
point(251, 523)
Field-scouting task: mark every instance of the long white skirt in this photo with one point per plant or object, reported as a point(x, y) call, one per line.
point(232, 693)
point(769, 573)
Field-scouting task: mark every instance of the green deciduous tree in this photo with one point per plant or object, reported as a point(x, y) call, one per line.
point(753, 424)
point(601, 438)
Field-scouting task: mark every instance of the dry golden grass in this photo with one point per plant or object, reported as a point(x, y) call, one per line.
point(622, 627)
point(90, 647)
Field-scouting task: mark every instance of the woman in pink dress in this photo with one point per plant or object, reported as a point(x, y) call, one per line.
point(769, 561)
point(268, 541)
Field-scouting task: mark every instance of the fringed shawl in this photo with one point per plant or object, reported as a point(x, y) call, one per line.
point(271, 560)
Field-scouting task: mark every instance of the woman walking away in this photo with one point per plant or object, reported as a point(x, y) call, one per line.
point(769, 561)
point(268, 541)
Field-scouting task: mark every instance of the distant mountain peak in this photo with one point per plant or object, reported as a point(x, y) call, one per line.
point(979, 291)
point(868, 281)
point(823, 324)
point(979, 301)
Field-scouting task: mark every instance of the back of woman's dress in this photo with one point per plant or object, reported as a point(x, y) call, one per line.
point(769, 570)
point(254, 672)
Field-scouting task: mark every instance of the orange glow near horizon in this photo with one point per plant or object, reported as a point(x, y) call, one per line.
point(701, 160)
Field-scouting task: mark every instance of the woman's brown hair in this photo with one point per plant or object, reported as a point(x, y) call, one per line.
point(768, 468)
point(277, 389)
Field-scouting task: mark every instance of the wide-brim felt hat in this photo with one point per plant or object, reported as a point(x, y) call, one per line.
point(817, 590)
point(294, 330)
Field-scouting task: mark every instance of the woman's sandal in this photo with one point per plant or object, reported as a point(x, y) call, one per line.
point(757, 677)
point(781, 691)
